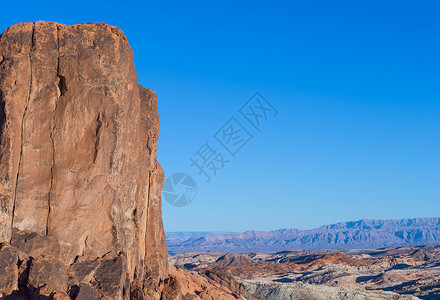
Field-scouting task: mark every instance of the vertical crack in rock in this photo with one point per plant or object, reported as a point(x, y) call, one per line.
point(62, 87)
point(22, 123)
point(61, 90)
point(147, 211)
point(97, 136)
point(2, 118)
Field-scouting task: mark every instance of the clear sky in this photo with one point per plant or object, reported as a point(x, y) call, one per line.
point(355, 84)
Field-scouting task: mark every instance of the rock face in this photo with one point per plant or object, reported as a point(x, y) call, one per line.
point(79, 180)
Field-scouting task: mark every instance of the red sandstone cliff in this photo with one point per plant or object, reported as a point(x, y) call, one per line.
point(79, 181)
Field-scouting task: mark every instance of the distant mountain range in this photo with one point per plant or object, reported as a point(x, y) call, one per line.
point(362, 234)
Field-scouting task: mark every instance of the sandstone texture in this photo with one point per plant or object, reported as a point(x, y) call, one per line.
point(80, 207)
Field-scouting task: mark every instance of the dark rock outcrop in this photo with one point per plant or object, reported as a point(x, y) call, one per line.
point(9, 270)
point(47, 274)
point(80, 207)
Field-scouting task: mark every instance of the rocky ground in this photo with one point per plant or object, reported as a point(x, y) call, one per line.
point(387, 273)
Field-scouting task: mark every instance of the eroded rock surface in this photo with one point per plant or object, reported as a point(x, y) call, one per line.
point(79, 181)
point(8, 270)
point(385, 273)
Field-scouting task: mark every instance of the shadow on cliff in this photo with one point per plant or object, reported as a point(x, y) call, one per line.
point(32, 293)
point(25, 290)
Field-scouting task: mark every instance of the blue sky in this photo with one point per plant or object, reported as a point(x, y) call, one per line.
point(355, 83)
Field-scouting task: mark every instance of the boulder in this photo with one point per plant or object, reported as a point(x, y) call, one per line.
point(47, 275)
